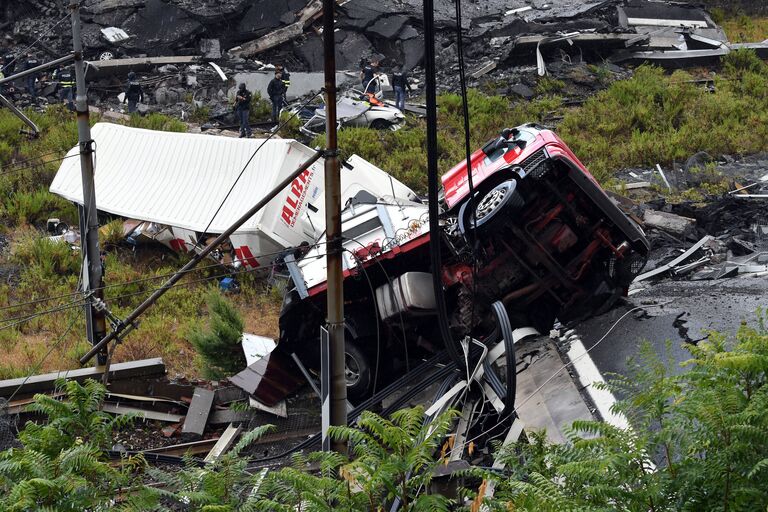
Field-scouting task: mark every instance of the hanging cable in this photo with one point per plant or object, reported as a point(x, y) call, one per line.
point(253, 155)
point(470, 238)
point(435, 231)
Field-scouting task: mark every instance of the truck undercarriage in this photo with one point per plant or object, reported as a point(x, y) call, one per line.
point(537, 238)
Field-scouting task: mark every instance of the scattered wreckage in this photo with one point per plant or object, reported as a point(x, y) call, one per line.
point(176, 189)
point(359, 110)
point(544, 240)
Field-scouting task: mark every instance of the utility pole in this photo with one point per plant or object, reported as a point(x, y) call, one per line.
point(92, 275)
point(335, 317)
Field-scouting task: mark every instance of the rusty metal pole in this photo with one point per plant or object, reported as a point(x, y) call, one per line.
point(95, 320)
point(335, 317)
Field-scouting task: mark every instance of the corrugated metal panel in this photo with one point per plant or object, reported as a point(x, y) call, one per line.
point(180, 179)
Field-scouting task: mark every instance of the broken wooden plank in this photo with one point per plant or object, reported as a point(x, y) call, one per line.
point(145, 368)
point(487, 68)
point(636, 185)
point(192, 448)
point(141, 413)
point(199, 410)
point(224, 443)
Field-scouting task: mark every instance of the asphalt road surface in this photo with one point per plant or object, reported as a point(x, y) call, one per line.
point(679, 311)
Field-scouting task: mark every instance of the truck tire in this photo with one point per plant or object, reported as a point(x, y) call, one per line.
point(357, 370)
point(490, 206)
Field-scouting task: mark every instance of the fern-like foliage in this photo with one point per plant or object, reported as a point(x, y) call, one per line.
point(699, 439)
point(393, 459)
point(61, 465)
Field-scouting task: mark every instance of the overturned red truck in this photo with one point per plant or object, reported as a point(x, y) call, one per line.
point(543, 238)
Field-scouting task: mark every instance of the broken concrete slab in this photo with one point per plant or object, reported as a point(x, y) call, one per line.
point(199, 410)
point(105, 6)
point(210, 48)
point(96, 69)
point(159, 27)
point(668, 222)
point(523, 91)
point(388, 27)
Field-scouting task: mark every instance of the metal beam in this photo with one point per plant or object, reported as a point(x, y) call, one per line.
point(9, 104)
point(42, 67)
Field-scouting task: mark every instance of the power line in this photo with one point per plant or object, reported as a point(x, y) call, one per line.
point(35, 165)
point(152, 278)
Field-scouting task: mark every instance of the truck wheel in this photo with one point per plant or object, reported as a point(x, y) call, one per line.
point(490, 206)
point(357, 371)
point(106, 55)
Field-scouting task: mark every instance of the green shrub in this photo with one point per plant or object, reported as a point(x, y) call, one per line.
point(220, 346)
point(46, 256)
point(261, 109)
point(156, 121)
point(62, 464)
point(38, 206)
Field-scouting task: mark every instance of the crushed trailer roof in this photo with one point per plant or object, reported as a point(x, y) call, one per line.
point(180, 179)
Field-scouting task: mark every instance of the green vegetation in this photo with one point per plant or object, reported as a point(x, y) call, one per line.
point(654, 118)
point(219, 346)
point(744, 29)
point(261, 109)
point(62, 465)
point(699, 442)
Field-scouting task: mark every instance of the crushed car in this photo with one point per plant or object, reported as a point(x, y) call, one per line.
point(362, 110)
point(538, 234)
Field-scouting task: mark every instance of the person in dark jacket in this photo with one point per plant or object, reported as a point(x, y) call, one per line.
point(243, 110)
point(276, 92)
point(134, 94)
point(66, 79)
point(400, 85)
point(30, 63)
point(286, 76)
point(9, 63)
point(369, 72)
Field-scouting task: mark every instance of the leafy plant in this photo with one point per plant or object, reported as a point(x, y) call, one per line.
point(699, 440)
point(224, 485)
point(61, 465)
point(220, 346)
point(393, 460)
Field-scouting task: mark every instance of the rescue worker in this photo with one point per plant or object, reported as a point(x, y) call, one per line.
point(276, 92)
point(31, 62)
point(134, 94)
point(286, 76)
point(243, 110)
point(66, 79)
point(400, 85)
point(369, 72)
point(9, 63)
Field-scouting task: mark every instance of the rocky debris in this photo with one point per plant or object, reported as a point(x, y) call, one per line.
point(104, 6)
point(668, 222)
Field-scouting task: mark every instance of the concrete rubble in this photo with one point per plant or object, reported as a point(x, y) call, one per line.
point(503, 37)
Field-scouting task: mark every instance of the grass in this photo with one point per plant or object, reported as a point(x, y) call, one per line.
point(745, 29)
